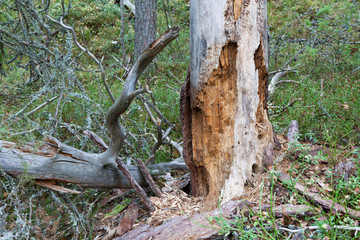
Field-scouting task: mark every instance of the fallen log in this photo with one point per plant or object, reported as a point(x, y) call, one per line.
point(184, 227)
point(203, 225)
point(56, 163)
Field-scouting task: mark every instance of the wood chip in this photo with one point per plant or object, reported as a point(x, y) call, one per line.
point(51, 185)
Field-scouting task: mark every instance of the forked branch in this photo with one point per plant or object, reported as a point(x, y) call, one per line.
point(129, 92)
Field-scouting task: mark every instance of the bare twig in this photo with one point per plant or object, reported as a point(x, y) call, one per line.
point(96, 139)
point(99, 63)
point(291, 102)
point(41, 105)
point(156, 146)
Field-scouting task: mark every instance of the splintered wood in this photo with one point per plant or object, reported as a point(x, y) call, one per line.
point(173, 204)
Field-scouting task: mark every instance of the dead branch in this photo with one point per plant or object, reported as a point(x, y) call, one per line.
point(97, 140)
point(128, 4)
point(279, 211)
point(89, 169)
point(52, 163)
point(140, 164)
point(41, 105)
point(148, 177)
point(199, 227)
point(129, 89)
point(326, 204)
point(274, 80)
point(290, 104)
point(186, 227)
point(156, 146)
point(139, 190)
point(356, 229)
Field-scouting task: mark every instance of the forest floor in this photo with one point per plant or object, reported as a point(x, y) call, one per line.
point(311, 192)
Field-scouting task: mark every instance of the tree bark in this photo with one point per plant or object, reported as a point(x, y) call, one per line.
point(225, 125)
point(145, 25)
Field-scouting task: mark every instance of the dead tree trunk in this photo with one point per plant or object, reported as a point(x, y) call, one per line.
point(225, 125)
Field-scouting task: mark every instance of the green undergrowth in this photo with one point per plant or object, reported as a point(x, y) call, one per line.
point(319, 176)
point(318, 42)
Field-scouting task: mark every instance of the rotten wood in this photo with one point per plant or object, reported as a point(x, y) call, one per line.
point(186, 126)
point(322, 202)
point(129, 218)
point(225, 120)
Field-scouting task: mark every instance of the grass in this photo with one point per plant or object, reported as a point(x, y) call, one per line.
point(326, 69)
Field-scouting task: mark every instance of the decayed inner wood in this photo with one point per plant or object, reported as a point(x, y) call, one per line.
point(237, 9)
point(213, 124)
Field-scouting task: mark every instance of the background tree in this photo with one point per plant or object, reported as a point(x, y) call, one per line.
point(145, 25)
point(226, 129)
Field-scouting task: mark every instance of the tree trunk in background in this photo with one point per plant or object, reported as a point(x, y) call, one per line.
point(145, 25)
point(226, 129)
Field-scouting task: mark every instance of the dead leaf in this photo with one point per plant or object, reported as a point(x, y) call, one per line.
point(130, 216)
point(286, 220)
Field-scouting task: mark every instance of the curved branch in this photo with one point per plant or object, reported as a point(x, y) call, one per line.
point(129, 90)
